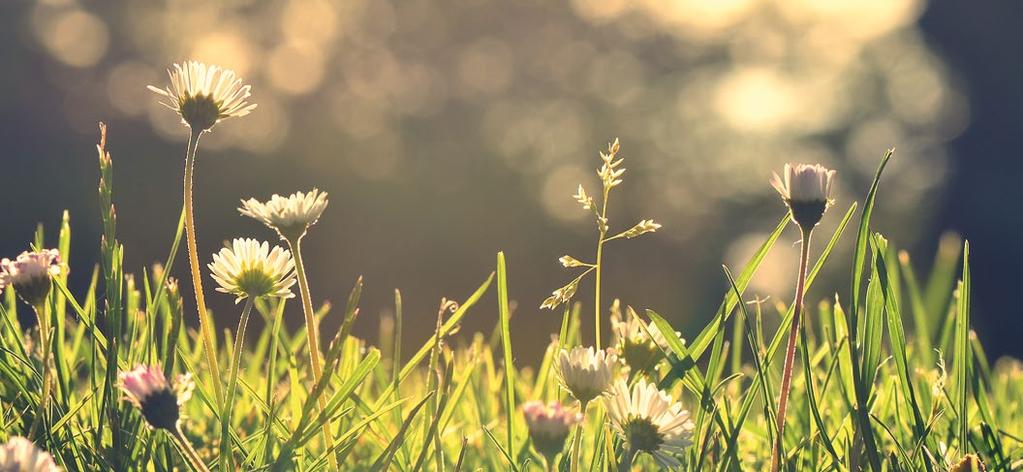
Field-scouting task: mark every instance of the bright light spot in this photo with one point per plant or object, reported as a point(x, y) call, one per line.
point(558, 187)
point(126, 87)
point(757, 99)
point(76, 38)
point(295, 70)
point(225, 50)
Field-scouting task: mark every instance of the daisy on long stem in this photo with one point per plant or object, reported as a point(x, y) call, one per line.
point(31, 275)
point(291, 218)
point(160, 403)
point(248, 270)
point(586, 373)
point(806, 190)
point(203, 96)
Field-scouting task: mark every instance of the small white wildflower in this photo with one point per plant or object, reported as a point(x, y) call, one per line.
point(640, 345)
point(30, 274)
point(649, 420)
point(249, 268)
point(586, 372)
point(205, 94)
point(147, 388)
point(806, 189)
point(290, 216)
point(549, 426)
point(21, 455)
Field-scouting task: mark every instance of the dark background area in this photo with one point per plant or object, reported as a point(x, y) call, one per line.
point(429, 180)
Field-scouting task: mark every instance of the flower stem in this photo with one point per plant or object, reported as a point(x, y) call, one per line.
point(187, 451)
point(313, 341)
point(790, 350)
point(205, 324)
point(577, 442)
point(44, 331)
point(226, 453)
point(602, 227)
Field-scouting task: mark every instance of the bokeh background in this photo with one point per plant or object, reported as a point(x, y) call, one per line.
point(446, 130)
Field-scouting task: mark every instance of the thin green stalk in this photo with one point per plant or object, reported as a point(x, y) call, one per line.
point(226, 454)
point(577, 442)
point(187, 451)
point(602, 227)
point(205, 323)
point(790, 350)
point(313, 340)
point(44, 329)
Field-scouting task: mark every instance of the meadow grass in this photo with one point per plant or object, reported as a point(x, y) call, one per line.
point(888, 376)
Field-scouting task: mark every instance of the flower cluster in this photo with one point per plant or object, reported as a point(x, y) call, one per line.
point(21, 455)
point(249, 268)
point(649, 420)
point(290, 216)
point(203, 95)
point(549, 426)
point(30, 274)
point(147, 388)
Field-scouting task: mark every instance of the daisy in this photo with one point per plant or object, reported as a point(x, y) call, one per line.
point(203, 95)
point(290, 216)
point(649, 420)
point(249, 268)
point(586, 372)
point(640, 345)
point(21, 455)
point(30, 274)
point(549, 426)
point(806, 189)
point(147, 388)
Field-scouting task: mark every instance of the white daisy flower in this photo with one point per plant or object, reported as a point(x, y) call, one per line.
point(806, 189)
point(249, 268)
point(30, 274)
point(649, 420)
point(147, 388)
point(549, 426)
point(585, 372)
point(204, 94)
point(21, 455)
point(290, 216)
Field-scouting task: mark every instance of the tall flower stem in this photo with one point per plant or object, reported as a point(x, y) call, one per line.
point(295, 242)
point(577, 442)
point(44, 332)
point(205, 324)
point(187, 451)
point(226, 454)
point(602, 227)
point(790, 350)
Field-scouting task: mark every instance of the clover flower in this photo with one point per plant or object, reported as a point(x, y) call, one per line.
point(21, 455)
point(249, 268)
point(806, 189)
point(290, 216)
point(205, 94)
point(147, 388)
point(649, 420)
point(549, 426)
point(30, 274)
point(586, 372)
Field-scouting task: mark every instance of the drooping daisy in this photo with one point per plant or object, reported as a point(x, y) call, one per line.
point(549, 426)
point(147, 388)
point(649, 420)
point(21, 455)
point(205, 94)
point(806, 189)
point(249, 268)
point(30, 274)
point(290, 216)
point(586, 372)
point(639, 344)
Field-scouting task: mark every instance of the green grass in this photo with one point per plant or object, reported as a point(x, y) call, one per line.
point(889, 376)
